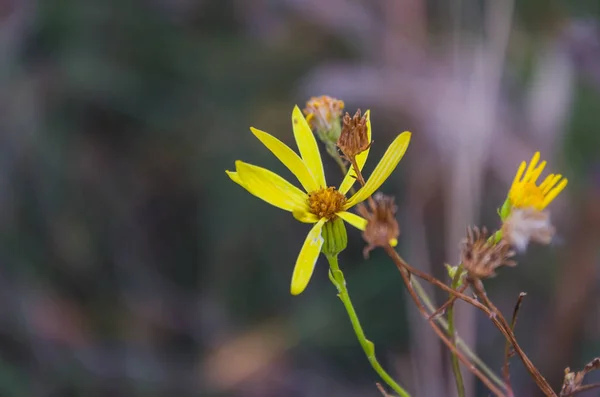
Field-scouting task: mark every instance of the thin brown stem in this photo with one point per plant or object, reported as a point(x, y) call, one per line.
point(505, 328)
point(405, 276)
point(382, 390)
point(359, 176)
point(584, 388)
point(507, 349)
point(440, 310)
point(493, 314)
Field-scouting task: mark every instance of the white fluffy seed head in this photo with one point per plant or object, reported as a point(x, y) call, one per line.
point(525, 225)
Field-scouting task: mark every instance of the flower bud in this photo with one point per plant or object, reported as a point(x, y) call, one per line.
point(323, 114)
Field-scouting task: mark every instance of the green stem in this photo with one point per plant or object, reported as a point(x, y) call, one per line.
point(332, 150)
point(337, 278)
point(460, 385)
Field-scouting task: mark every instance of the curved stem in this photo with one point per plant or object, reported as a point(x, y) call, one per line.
point(460, 385)
point(337, 278)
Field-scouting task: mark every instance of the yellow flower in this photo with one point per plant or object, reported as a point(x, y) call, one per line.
point(525, 193)
point(318, 203)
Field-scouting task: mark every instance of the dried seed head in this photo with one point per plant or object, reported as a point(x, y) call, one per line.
point(354, 138)
point(382, 228)
point(527, 224)
point(481, 257)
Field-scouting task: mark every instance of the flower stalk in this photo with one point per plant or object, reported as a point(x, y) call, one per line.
point(460, 385)
point(337, 278)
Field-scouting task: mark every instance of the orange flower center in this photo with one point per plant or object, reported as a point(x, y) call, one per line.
point(326, 202)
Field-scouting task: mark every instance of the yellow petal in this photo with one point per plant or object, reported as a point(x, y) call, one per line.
point(235, 177)
point(551, 183)
point(519, 174)
point(361, 159)
point(305, 217)
point(357, 221)
point(546, 181)
point(532, 164)
point(270, 187)
point(288, 157)
point(307, 144)
point(535, 174)
point(386, 165)
point(553, 193)
point(307, 259)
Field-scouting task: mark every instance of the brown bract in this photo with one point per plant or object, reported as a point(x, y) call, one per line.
point(382, 228)
point(354, 138)
point(480, 257)
point(527, 224)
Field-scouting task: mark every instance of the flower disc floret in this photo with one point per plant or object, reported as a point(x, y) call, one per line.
point(326, 202)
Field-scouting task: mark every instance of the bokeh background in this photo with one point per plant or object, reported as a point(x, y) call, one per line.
point(132, 266)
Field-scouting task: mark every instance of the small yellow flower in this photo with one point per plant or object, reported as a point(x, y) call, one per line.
point(525, 193)
point(318, 203)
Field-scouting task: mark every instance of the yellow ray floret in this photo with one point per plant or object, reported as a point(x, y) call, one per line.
point(525, 192)
point(318, 203)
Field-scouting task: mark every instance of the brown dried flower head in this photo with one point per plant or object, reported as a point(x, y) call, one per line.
point(322, 112)
point(527, 224)
point(481, 257)
point(382, 228)
point(354, 138)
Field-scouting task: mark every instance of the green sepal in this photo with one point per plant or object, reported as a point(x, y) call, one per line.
point(335, 238)
point(504, 212)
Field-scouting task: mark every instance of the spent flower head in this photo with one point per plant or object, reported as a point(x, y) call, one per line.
point(481, 256)
point(527, 224)
point(354, 138)
point(317, 203)
point(382, 228)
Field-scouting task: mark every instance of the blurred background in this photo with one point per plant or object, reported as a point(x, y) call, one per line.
point(132, 266)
